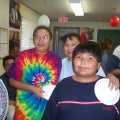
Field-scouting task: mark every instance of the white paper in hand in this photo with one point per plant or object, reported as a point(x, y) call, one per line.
point(48, 89)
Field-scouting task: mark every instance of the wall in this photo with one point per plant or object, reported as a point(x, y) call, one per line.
point(29, 23)
point(4, 19)
point(95, 25)
point(29, 14)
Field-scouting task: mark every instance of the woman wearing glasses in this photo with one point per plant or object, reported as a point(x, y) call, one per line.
point(33, 69)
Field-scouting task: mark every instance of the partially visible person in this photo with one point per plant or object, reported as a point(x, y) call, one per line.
point(113, 63)
point(32, 70)
point(7, 63)
point(74, 97)
point(71, 40)
point(14, 43)
point(106, 46)
point(14, 14)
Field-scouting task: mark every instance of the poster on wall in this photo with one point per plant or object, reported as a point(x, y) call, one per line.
point(87, 33)
point(14, 43)
point(14, 14)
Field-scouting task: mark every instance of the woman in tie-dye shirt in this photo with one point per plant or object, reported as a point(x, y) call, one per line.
point(33, 69)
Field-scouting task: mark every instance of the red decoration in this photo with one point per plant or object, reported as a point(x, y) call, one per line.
point(83, 36)
point(114, 21)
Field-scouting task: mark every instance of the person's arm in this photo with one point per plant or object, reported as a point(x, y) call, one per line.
point(113, 82)
point(113, 65)
point(11, 102)
point(116, 72)
point(23, 86)
point(52, 112)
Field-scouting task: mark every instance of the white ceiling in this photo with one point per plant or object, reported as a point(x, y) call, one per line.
point(94, 10)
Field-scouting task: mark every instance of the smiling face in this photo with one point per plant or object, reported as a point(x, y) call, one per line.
point(42, 41)
point(69, 46)
point(85, 65)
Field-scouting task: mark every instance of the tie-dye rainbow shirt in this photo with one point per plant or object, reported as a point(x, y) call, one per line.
point(37, 70)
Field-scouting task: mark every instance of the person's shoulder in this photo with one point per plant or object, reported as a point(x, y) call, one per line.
point(28, 50)
point(53, 54)
point(116, 51)
point(2, 76)
point(64, 59)
point(118, 47)
point(24, 53)
point(100, 78)
point(65, 81)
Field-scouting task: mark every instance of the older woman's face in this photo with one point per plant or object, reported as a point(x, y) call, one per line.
point(42, 41)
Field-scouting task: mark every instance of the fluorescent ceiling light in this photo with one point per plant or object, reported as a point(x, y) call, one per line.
point(77, 7)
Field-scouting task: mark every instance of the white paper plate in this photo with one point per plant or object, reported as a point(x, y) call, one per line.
point(104, 94)
point(48, 91)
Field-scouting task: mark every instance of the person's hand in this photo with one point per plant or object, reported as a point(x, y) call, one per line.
point(11, 102)
point(37, 92)
point(113, 82)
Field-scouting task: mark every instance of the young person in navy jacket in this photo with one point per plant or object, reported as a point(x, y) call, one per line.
point(74, 97)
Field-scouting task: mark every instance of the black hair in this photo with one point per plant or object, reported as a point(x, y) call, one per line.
point(70, 35)
point(7, 58)
point(43, 27)
point(88, 47)
point(14, 34)
point(15, 3)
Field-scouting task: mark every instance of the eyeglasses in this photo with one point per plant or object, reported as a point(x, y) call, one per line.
point(41, 37)
point(8, 65)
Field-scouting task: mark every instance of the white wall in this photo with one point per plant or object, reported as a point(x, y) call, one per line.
point(29, 23)
point(4, 19)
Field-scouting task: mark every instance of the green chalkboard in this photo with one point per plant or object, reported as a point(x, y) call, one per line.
point(112, 34)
